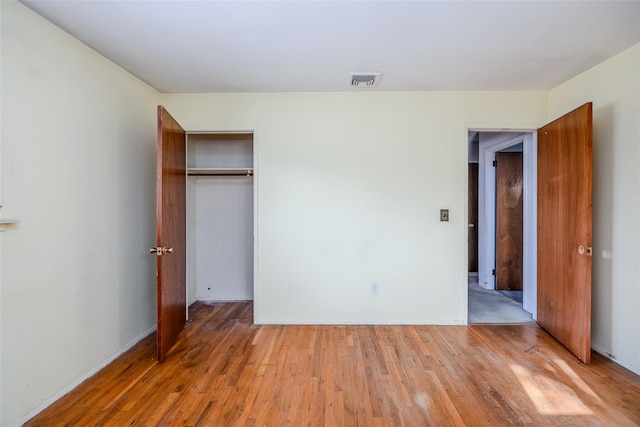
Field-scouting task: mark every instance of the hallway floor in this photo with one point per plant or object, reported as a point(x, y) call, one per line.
point(489, 306)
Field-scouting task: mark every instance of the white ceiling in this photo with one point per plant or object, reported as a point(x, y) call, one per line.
point(265, 46)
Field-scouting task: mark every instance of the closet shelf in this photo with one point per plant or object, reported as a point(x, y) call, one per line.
point(220, 171)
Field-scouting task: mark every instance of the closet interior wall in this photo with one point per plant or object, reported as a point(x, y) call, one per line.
point(220, 216)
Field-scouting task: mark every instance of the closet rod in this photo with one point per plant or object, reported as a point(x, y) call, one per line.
point(240, 175)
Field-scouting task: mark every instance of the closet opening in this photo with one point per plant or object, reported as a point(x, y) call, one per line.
point(220, 216)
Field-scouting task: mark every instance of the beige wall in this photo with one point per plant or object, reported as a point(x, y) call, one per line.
point(614, 89)
point(349, 191)
point(78, 165)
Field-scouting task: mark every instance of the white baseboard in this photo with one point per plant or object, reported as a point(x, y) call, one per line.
point(608, 355)
point(91, 372)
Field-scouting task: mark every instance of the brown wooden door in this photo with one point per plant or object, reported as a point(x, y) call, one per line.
point(564, 230)
point(509, 221)
point(171, 231)
point(473, 217)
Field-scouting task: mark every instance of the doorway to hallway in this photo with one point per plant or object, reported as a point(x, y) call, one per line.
point(498, 209)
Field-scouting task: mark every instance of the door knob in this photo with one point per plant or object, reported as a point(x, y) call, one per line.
point(161, 250)
point(582, 250)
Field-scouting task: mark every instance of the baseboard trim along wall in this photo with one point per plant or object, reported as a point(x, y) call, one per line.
point(607, 353)
point(91, 372)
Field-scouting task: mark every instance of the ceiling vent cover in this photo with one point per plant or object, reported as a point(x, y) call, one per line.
point(369, 78)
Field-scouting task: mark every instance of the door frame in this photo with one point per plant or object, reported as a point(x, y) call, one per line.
point(256, 173)
point(487, 211)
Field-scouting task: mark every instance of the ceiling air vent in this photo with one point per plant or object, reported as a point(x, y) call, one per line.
point(364, 78)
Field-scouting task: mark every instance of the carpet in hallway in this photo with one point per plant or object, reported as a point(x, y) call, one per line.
point(489, 306)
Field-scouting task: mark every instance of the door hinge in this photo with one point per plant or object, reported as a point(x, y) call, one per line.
point(493, 272)
point(495, 163)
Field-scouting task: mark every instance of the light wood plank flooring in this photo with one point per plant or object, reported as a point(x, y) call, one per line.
point(225, 371)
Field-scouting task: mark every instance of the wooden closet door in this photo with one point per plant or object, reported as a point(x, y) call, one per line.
point(564, 230)
point(509, 221)
point(473, 217)
point(171, 231)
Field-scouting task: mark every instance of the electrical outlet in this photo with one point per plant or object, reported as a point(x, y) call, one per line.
point(374, 289)
point(444, 214)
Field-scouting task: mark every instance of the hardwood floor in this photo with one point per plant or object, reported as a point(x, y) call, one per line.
point(225, 371)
